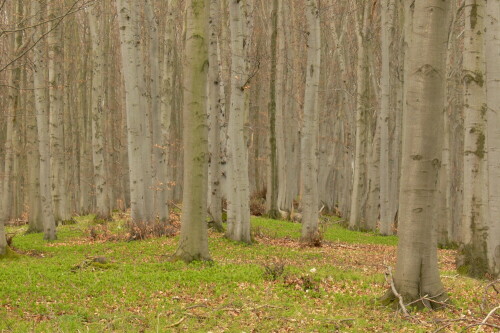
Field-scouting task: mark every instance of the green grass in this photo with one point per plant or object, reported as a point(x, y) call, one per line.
point(48, 289)
point(333, 233)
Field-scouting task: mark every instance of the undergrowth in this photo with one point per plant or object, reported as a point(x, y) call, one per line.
point(104, 282)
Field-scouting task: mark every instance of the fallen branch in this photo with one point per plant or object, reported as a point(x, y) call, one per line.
point(177, 323)
point(389, 278)
point(485, 294)
point(486, 318)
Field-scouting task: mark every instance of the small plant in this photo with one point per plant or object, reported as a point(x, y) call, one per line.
point(144, 230)
point(273, 271)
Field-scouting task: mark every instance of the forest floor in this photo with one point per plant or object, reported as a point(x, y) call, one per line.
point(92, 279)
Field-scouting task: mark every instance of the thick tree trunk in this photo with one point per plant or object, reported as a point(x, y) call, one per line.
point(490, 233)
point(310, 127)
point(417, 271)
point(193, 242)
point(238, 219)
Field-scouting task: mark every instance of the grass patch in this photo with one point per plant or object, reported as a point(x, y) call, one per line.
point(273, 285)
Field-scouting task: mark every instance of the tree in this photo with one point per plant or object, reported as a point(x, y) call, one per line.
point(138, 122)
point(417, 271)
point(360, 188)
point(96, 20)
point(193, 242)
point(387, 35)
point(214, 112)
point(310, 127)
point(238, 215)
point(489, 235)
point(56, 118)
point(475, 161)
point(42, 122)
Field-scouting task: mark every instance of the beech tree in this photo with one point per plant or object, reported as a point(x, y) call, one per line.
point(417, 271)
point(238, 215)
point(310, 127)
point(42, 122)
point(488, 237)
point(193, 241)
point(138, 121)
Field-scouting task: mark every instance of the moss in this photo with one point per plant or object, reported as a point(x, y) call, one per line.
point(473, 16)
point(9, 255)
point(481, 140)
point(472, 261)
point(484, 108)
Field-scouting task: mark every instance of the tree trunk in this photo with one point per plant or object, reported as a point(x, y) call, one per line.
point(214, 110)
point(159, 167)
point(273, 186)
point(56, 117)
point(417, 271)
point(42, 120)
point(310, 127)
point(193, 242)
point(387, 17)
point(138, 134)
point(360, 185)
point(489, 235)
point(238, 219)
point(103, 209)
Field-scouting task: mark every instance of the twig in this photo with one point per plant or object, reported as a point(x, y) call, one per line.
point(177, 323)
point(485, 294)
point(395, 292)
point(486, 318)
point(195, 306)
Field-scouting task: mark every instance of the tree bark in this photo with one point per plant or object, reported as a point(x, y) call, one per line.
point(42, 120)
point(490, 241)
point(193, 242)
point(238, 219)
point(273, 186)
point(214, 111)
point(310, 127)
point(417, 271)
point(387, 32)
point(138, 133)
point(103, 209)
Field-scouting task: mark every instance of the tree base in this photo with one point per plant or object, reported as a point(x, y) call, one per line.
point(433, 302)
point(273, 214)
point(181, 255)
point(9, 254)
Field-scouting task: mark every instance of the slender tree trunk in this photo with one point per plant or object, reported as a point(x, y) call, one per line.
point(417, 271)
point(387, 17)
point(360, 186)
point(42, 120)
point(310, 127)
point(489, 236)
point(273, 159)
point(238, 227)
point(56, 116)
point(96, 22)
point(138, 134)
point(159, 167)
point(193, 242)
point(475, 159)
point(214, 110)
